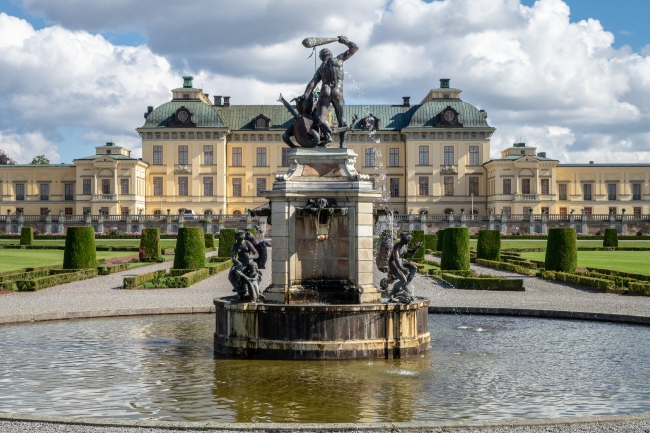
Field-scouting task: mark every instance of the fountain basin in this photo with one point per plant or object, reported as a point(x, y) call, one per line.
point(320, 331)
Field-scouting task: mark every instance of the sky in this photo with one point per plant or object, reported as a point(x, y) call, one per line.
point(570, 77)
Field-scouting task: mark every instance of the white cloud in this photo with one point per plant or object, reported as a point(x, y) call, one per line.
point(22, 148)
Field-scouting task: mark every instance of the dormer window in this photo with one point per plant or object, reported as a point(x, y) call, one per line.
point(261, 122)
point(446, 96)
point(186, 96)
point(370, 123)
point(108, 151)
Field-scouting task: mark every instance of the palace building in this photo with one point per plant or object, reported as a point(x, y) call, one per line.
point(213, 157)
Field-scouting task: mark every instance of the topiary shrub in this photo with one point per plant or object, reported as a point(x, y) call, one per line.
point(209, 240)
point(253, 231)
point(441, 239)
point(190, 248)
point(455, 253)
point(226, 241)
point(417, 236)
point(79, 250)
point(430, 242)
point(561, 250)
point(26, 236)
point(609, 240)
point(149, 250)
point(489, 245)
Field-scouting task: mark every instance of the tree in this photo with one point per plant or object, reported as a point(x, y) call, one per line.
point(6, 159)
point(40, 160)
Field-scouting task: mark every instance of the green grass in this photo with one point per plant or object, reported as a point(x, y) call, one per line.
point(628, 261)
point(18, 259)
point(533, 243)
point(165, 243)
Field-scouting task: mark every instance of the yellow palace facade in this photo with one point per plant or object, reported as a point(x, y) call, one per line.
point(211, 157)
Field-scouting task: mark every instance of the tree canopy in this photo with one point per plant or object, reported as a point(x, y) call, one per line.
point(6, 159)
point(40, 160)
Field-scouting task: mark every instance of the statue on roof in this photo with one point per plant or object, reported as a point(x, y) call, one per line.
point(311, 127)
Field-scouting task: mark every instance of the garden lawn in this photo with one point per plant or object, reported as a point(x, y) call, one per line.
point(18, 259)
point(628, 261)
point(164, 243)
point(541, 243)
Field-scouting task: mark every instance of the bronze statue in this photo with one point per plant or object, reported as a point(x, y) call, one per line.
point(260, 246)
point(404, 272)
point(330, 72)
point(251, 276)
point(243, 254)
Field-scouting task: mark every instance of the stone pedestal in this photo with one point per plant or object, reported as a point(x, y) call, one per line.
point(326, 256)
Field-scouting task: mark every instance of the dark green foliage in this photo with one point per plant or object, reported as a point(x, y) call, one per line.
point(79, 250)
point(523, 263)
point(112, 269)
point(149, 250)
point(579, 279)
point(417, 236)
point(561, 250)
point(502, 265)
point(640, 288)
point(190, 248)
point(489, 245)
point(209, 240)
point(430, 242)
point(54, 280)
point(455, 253)
point(220, 267)
point(484, 282)
point(226, 241)
point(441, 240)
point(138, 280)
point(253, 231)
point(611, 238)
point(26, 236)
point(623, 274)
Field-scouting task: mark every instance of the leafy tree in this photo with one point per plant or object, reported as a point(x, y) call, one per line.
point(6, 159)
point(40, 160)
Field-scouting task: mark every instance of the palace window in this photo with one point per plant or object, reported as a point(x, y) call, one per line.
point(20, 191)
point(124, 186)
point(636, 191)
point(545, 210)
point(473, 186)
point(236, 157)
point(563, 211)
point(545, 186)
point(86, 211)
point(157, 155)
point(424, 185)
point(473, 155)
point(236, 212)
point(612, 210)
point(261, 186)
point(424, 155)
point(562, 188)
point(69, 192)
point(528, 210)
point(370, 157)
point(207, 186)
point(236, 187)
point(261, 156)
point(157, 212)
point(183, 186)
point(158, 186)
point(506, 210)
point(586, 191)
point(394, 157)
point(449, 155)
point(611, 191)
point(637, 211)
point(67, 211)
point(449, 186)
point(525, 186)
point(373, 183)
point(106, 186)
point(507, 186)
point(45, 191)
point(182, 155)
point(44, 211)
point(208, 155)
point(124, 211)
point(285, 157)
point(87, 186)
point(588, 210)
point(394, 187)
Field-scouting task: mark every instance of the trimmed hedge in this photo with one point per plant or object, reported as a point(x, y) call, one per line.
point(641, 277)
point(168, 251)
point(639, 288)
point(79, 250)
point(502, 265)
point(581, 280)
point(455, 253)
point(483, 283)
point(253, 231)
point(489, 245)
point(190, 249)
point(219, 267)
point(149, 250)
point(112, 269)
point(417, 236)
point(138, 280)
point(561, 250)
point(26, 236)
point(54, 280)
point(522, 263)
point(226, 241)
point(24, 275)
point(441, 240)
point(192, 277)
point(438, 273)
point(209, 240)
point(611, 238)
point(430, 242)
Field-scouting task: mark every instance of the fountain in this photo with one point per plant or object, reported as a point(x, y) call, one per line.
point(322, 302)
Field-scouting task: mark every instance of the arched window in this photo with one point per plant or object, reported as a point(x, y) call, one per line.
point(424, 212)
point(449, 211)
point(157, 212)
point(236, 212)
point(475, 212)
point(207, 212)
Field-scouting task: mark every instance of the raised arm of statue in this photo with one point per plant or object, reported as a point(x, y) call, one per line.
point(352, 48)
point(312, 84)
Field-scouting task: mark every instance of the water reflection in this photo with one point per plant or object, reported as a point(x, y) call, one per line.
point(479, 368)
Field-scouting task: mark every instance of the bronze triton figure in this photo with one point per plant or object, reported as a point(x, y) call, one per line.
point(330, 72)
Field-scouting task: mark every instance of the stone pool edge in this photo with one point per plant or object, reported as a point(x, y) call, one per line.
point(314, 427)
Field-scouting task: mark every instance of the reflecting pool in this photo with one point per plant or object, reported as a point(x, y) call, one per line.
point(479, 368)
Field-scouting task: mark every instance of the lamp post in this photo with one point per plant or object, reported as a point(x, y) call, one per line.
point(472, 195)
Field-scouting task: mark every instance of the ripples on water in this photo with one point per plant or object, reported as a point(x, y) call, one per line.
point(479, 368)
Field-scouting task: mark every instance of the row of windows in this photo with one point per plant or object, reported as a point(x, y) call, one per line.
point(423, 156)
point(182, 135)
point(448, 135)
point(562, 189)
point(183, 155)
point(208, 186)
point(44, 189)
point(564, 211)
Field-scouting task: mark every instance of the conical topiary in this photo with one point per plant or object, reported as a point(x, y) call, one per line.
point(150, 246)
point(455, 249)
point(190, 248)
point(562, 250)
point(79, 250)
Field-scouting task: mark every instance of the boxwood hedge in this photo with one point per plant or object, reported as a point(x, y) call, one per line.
point(209, 240)
point(489, 245)
point(455, 253)
point(79, 250)
point(150, 250)
point(561, 250)
point(226, 241)
point(430, 242)
point(190, 248)
point(483, 282)
point(611, 238)
point(417, 236)
point(441, 240)
point(26, 236)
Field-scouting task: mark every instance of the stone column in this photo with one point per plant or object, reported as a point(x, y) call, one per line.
point(516, 180)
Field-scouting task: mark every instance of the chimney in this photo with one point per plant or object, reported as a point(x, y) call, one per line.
point(187, 81)
point(226, 101)
point(541, 154)
point(217, 100)
point(407, 101)
point(444, 83)
point(149, 110)
point(591, 163)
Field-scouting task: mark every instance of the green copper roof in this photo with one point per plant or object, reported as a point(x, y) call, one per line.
point(111, 156)
point(516, 157)
point(427, 114)
point(204, 115)
point(186, 89)
point(37, 166)
point(239, 117)
point(391, 117)
point(445, 89)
